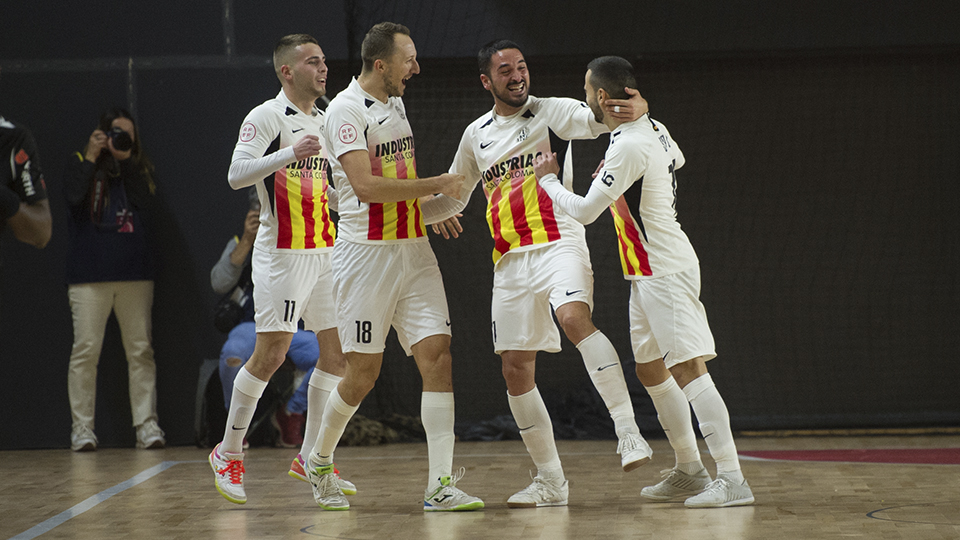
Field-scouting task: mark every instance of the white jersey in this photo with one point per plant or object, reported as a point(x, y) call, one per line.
point(499, 151)
point(358, 121)
point(639, 174)
point(294, 213)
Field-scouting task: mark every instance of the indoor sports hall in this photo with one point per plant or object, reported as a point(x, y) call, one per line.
point(821, 189)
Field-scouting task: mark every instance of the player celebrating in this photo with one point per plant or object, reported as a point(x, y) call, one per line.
point(668, 324)
point(386, 273)
point(279, 151)
point(541, 260)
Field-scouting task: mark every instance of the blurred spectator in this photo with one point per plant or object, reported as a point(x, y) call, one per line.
point(110, 191)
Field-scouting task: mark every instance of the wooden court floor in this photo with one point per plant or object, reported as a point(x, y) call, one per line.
point(127, 493)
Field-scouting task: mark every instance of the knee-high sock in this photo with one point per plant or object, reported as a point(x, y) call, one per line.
point(673, 411)
point(321, 384)
point(537, 432)
point(603, 365)
point(714, 421)
point(437, 414)
point(247, 390)
point(335, 417)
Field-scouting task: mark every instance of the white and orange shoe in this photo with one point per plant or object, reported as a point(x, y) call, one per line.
point(228, 471)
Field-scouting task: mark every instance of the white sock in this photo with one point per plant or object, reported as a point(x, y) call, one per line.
point(537, 432)
point(603, 365)
point(673, 411)
point(318, 392)
point(437, 415)
point(714, 421)
point(335, 417)
point(247, 390)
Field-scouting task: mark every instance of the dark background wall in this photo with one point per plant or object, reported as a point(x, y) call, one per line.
point(820, 190)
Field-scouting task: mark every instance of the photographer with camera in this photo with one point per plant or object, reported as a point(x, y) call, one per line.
point(234, 315)
point(110, 190)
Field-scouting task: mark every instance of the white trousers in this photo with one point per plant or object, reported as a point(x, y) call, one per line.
point(91, 304)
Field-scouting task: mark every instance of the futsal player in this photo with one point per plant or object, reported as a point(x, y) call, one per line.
point(668, 324)
point(386, 273)
point(279, 151)
point(540, 260)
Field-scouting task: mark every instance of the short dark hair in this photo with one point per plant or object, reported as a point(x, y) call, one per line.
point(612, 73)
point(488, 50)
point(379, 43)
point(286, 44)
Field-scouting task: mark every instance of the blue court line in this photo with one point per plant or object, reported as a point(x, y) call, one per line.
point(62, 517)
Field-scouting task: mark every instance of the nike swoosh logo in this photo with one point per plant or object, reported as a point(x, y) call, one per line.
point(296, 130)
point(665, 356)
point(448, 323)
point(382, 121)
point(601, 368)
point(236, 428)
point(526, 428)
point(571, 293)
point(482, 146)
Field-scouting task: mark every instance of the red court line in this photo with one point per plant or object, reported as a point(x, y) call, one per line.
point(937, 456)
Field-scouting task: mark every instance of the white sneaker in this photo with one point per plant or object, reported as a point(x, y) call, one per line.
point(326, 489)
point(449, 498)
point(634, 451)
point(721, 493)
point(228, 470)
point(150, 436)
point(298, 471)
point(541, 492)
point(82, 439)
point(675, 484)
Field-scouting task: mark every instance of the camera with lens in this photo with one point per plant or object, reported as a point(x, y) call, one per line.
point(122, 140)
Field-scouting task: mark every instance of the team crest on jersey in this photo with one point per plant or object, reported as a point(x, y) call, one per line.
point(248, 132)
point(400, 112)
point(522, 136)
point(347, 133)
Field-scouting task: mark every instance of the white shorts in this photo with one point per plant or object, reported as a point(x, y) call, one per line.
point(383, 285)
point(527, 284)
point(291, 286)
point(668, 321)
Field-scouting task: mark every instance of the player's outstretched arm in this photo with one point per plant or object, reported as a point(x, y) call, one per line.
point(379, 189)
point(583, 209)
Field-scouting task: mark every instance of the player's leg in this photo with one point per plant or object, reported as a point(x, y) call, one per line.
point(90, 304)
point(361, 374)
point(651, 303)
point(730, 488)
point(523, 325)
point(324, 378)
point(366, 281)
point(422, 322)
point(277, 292)
point(549, 486)
point(569, 278)
point(320, 315)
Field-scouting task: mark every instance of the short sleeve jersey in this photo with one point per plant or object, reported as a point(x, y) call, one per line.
point(639, 173)
point(294, 213)
point(499, 152)
point(358, 121)
point(19, 164)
